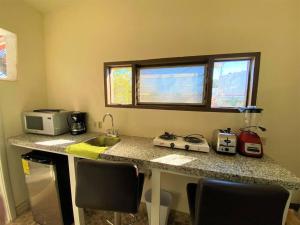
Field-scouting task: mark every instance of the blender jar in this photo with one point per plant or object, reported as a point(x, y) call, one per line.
point(252, 118)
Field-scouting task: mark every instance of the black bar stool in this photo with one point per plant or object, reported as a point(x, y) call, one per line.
point(110, 186)
point(214, 202)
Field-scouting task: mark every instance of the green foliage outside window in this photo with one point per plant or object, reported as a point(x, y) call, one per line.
point(121, 85)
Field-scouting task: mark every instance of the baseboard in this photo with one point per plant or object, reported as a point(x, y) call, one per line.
point(23, 207)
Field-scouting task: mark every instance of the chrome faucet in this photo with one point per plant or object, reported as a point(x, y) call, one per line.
point(111, 132)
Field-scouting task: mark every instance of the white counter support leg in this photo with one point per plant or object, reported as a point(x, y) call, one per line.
point(78, 212)
point(155, 197)
point(286, 209)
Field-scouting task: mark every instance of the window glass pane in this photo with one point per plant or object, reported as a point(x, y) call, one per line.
point(3, 72)
point(180, 84)
point(8, 55)
point(230, 83)
point(120, 81)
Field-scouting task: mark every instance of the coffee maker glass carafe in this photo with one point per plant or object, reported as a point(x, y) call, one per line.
point(77, 123)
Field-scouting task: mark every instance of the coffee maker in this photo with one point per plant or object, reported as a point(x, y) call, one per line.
point(77, 123)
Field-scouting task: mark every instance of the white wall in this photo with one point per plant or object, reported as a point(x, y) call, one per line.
point(80, 38)
point(29, 91)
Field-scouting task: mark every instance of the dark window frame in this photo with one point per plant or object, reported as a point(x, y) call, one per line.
point(208, 60)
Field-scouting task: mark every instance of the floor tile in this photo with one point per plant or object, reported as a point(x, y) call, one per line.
point(93, 217)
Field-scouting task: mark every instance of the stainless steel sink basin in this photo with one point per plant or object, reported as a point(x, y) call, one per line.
point(103, 141)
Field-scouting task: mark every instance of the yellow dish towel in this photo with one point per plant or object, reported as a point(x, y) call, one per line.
point(85, 150)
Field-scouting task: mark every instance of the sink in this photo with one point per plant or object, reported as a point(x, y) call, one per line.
point(103, 141)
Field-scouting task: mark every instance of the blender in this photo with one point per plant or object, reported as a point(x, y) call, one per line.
point(249, 143)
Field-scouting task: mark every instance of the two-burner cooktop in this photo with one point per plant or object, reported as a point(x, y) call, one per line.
point(193, 142)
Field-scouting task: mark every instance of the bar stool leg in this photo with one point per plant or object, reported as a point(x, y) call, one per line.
point(78, 212)
point(117, 218)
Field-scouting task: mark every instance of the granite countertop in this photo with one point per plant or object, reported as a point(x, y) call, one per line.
point(56, 144)
point(142, 152)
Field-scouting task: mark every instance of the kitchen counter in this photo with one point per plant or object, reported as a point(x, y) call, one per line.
point(141, 151)
point(55, 144)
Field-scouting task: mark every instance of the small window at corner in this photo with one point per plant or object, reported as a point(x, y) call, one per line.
point(119, 85)
point(231, 83)
point(8, 55)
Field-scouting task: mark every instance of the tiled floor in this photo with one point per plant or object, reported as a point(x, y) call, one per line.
point(99, 218)
point(93, 217)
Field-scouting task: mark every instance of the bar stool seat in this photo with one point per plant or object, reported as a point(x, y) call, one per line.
point(215, 202)
point(109, 186)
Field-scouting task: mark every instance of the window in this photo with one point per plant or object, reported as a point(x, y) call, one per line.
point(171, 85)
point(3, 72)
point(120, 85)
point(196, 83)
point(230, 83)
point(8, 55)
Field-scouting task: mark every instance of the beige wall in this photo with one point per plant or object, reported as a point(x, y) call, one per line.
point(80, 38)
point(29, 91)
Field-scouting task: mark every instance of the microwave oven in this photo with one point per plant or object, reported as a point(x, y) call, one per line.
point(48, 122)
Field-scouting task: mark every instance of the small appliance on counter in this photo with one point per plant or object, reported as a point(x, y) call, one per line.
point(77, 123)
point(224, 141)
point(46, 121)
point(193, 142)
point(249, 142)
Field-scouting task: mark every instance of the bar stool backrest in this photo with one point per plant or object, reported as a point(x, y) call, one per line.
point(215, 202)
point(111, 186)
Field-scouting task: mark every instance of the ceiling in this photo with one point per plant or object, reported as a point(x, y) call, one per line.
point(46, 6)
